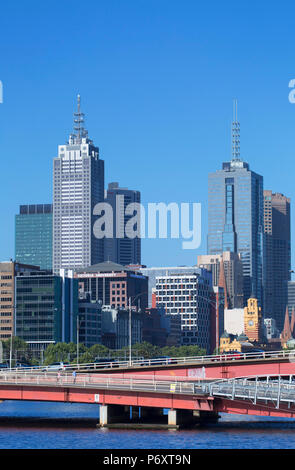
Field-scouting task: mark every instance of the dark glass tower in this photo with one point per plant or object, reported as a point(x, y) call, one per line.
point(122, 250)
point(235, 217)
point(277, 255)
point(33, 235)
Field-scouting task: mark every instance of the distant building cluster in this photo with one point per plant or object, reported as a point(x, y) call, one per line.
point(68, 285)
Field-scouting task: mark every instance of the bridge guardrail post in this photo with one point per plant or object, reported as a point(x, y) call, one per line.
point(255, 395)
point(279, 393)
point(233, 389)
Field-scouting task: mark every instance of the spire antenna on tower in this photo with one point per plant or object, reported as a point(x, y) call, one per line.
point(79, 130)
point(235, 133)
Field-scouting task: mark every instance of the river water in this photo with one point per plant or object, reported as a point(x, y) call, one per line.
point(232, 431)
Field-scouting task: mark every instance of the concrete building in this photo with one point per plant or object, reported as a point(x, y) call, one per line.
point(233, 272)
point(277, 255)
point(121, 248)
point(33, 235)
point(8, 272)
point(188, 295)
point(46, 308)
point(78, 185)
point(234, 321)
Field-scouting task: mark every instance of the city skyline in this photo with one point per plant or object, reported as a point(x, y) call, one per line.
point(203, 248)
point(161, 113)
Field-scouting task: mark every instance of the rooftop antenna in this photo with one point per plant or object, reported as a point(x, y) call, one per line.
point(79, 129)
point(235, 133)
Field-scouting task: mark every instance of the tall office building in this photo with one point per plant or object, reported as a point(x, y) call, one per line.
point(122, 249)
point(277, 255)
point(235, 216)
point(33, 235)
point(78, 185)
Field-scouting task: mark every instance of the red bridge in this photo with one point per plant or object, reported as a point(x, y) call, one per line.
point(188, 399)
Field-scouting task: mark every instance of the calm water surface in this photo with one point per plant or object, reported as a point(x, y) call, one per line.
point(232, 432)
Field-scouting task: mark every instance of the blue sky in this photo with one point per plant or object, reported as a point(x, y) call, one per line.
point(157, 81)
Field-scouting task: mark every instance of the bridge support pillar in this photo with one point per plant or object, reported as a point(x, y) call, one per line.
point(109, 414)
point(187, 418)
point(181, 418)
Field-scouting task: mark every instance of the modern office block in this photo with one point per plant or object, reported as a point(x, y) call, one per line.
point(46, 309)
point(277, 255)
point(121, 248)
point(78, 185)
point(33, 235)
point(190, 296)
point(153, 272)
point(8, 272)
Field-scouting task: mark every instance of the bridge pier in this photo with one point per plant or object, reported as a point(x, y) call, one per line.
point(188, 418)
point(119, 416)
point(109, 414)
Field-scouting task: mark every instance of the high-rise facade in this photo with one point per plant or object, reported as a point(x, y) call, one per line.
point(78, 185)
point(233, 273)
point(188, 295)
point(33, 235)
point(235, 216)
point(121, 248)
point(277, 255)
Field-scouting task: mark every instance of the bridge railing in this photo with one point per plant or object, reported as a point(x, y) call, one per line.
point(97, 382)
point(277, 388)
point(170, 361)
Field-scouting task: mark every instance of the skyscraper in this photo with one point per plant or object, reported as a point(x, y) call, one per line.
point(277, 255)
point(122, 249)
point(33, 235)
point(78, 185)
point(235, 216)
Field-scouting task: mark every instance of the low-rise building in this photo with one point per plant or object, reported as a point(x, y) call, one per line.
point(115, 327)
point(46, 308)
point(89, 321)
